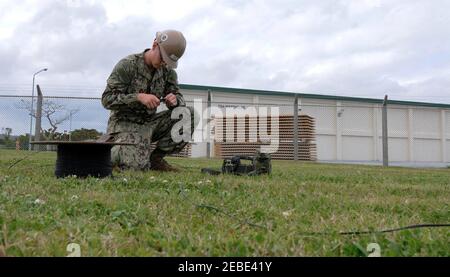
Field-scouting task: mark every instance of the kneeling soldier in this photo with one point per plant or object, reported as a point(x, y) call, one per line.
point(134, 90)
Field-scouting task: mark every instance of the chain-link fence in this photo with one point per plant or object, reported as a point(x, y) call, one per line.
point(60, 117)
point(291, 128)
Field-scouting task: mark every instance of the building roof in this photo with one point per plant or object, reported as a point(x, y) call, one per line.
point(310, 95)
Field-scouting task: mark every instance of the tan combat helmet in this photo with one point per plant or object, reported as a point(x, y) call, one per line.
point(172, 45)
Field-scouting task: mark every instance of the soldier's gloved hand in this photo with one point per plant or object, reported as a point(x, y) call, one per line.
point(149, 100)
point(171, 100)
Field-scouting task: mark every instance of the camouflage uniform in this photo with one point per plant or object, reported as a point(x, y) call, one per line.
point(131, 121)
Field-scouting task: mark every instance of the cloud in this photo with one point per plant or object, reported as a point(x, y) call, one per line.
point(355, 48)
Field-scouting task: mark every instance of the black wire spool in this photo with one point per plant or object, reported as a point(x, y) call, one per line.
point(83, 158)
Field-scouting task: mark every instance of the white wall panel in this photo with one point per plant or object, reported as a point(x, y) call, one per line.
point(355, 119)
point(398, 149)
point(281, 100)
point(198, 149)
point(448, 124)
point(192, 95)
point(397, 122)
point(324, 113)
point(326, 147)
point(448, 150)
point(427, 123)
point(232, 97)
point(427, 150)
point(285, 104)
point(357, 148)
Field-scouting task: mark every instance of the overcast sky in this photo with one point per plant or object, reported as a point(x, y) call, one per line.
point(364, 48)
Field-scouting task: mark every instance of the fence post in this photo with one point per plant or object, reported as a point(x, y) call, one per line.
point(444, 136)
point(37, 129)
point(384, 123)
point(339, 114)
point(410, 134)
point(208, 130)
point(295, 139)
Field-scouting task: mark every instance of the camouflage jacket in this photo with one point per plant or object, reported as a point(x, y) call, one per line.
point(131, 76)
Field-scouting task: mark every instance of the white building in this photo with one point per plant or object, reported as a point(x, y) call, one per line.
point(348, 129)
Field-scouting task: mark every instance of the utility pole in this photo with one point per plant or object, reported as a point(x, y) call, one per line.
point(31, 112)
point(37, 129)
point(70, 123)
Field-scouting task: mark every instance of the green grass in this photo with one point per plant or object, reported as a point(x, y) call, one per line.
point(161, 214)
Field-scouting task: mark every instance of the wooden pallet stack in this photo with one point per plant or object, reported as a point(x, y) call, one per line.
point(307, 149)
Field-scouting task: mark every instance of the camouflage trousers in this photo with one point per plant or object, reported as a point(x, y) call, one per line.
point(157, 130)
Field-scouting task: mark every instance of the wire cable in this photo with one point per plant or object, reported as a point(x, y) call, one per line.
point(346, 233)
point(24, 158)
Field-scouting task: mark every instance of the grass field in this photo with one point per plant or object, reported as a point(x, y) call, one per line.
point(191, 214)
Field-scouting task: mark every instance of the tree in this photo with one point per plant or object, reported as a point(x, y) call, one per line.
point(53, 135)
point(50, 110)
point(23, 141)
point(6, 132)
point(84, 134)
